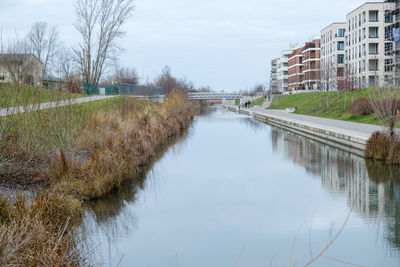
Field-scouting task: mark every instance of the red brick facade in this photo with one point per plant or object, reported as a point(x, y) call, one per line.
point(295, 69)
point(304, 67)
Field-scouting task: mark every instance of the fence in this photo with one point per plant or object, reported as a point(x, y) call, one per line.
point(140, 90)
point(91, 89)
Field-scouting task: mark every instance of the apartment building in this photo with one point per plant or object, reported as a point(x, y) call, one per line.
point(311, 57)
point(274, 76)
point(365, 44)
point(295, 69)
point(392, 38)
point(332, 56)
point(282, 71)
point(304, 66)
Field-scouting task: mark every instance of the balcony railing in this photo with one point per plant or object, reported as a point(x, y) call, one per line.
point(375, 36)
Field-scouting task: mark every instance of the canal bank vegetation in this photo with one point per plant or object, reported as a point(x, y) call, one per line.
point(39, 233)
point(385, 145)
point(76, 153)
point(16, 94)
point(341, 105)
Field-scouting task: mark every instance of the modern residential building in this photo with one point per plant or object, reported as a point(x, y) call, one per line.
point(20, 68)
point(282, 71)
point(311, 57)
point(274, 76)
point(295, 69)
point(332, 56)
point(365, 45)
point(392, 38)
point(304, 66)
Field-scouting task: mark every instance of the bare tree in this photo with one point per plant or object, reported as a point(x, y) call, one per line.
point(349, 78)
point(385, 104)
point(100, 24)
point(125, 75)
point(328, 75)
point(166, 80)
point(65, 63)
point(44, 41)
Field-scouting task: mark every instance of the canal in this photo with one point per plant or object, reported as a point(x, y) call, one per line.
point(237, 192)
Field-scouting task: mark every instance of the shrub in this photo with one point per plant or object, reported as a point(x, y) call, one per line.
point(361, 107)
point(394, 152)
point(40, 234)
point(378, 146)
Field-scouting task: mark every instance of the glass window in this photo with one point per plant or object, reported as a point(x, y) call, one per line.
point(340, 59)
point(340, 46)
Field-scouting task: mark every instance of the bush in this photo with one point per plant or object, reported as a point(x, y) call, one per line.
point(378, 146)
point(361, 107)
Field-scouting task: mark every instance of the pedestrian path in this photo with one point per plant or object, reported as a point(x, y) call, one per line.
point(361, 129)
point(33, 107)
point(345, 135)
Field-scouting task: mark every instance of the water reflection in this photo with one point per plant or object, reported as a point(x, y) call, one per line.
point(225, 186)
point(375, 185)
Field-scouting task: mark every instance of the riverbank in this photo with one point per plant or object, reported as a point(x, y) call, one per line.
point(15, 95)
point(332, 105)
point(348, 136)
point(77, 153)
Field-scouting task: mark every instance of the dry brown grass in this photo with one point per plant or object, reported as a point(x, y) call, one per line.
point(39, 233)
point(361, 107)
point(382, 147)
point(76, 153)
point(116, 147)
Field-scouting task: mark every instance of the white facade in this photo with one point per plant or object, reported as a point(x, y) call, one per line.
point(333, 56)
point(274, 75)
point(282, 71)
point(365, 44)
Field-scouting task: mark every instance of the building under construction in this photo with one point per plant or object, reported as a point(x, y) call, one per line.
point(392, 34)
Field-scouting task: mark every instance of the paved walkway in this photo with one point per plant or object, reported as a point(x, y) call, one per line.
point(360, 129)
point(22, 109)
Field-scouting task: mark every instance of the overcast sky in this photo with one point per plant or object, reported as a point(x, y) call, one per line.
point(227, 44)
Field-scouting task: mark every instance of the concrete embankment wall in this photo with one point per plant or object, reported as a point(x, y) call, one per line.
point(340, 138)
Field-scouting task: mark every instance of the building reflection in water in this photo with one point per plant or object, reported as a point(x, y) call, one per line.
point(343, 173)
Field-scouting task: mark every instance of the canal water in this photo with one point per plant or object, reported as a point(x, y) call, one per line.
point(237, 192)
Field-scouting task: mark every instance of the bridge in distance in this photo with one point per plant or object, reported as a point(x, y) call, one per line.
point(214, 96)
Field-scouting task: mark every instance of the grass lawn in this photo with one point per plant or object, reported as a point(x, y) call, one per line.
point(257, 102)
point(333, 105)
point(12, 95)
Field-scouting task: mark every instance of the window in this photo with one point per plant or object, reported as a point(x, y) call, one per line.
point(373, 49)
point(340, 46)
point(373, 16)
point(388, 17)
point(340, 59)
point(341, 32)
point(388, 46)
point(373, 32)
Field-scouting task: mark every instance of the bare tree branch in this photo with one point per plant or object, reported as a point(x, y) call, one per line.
point(44, 41)
point(100, 25)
